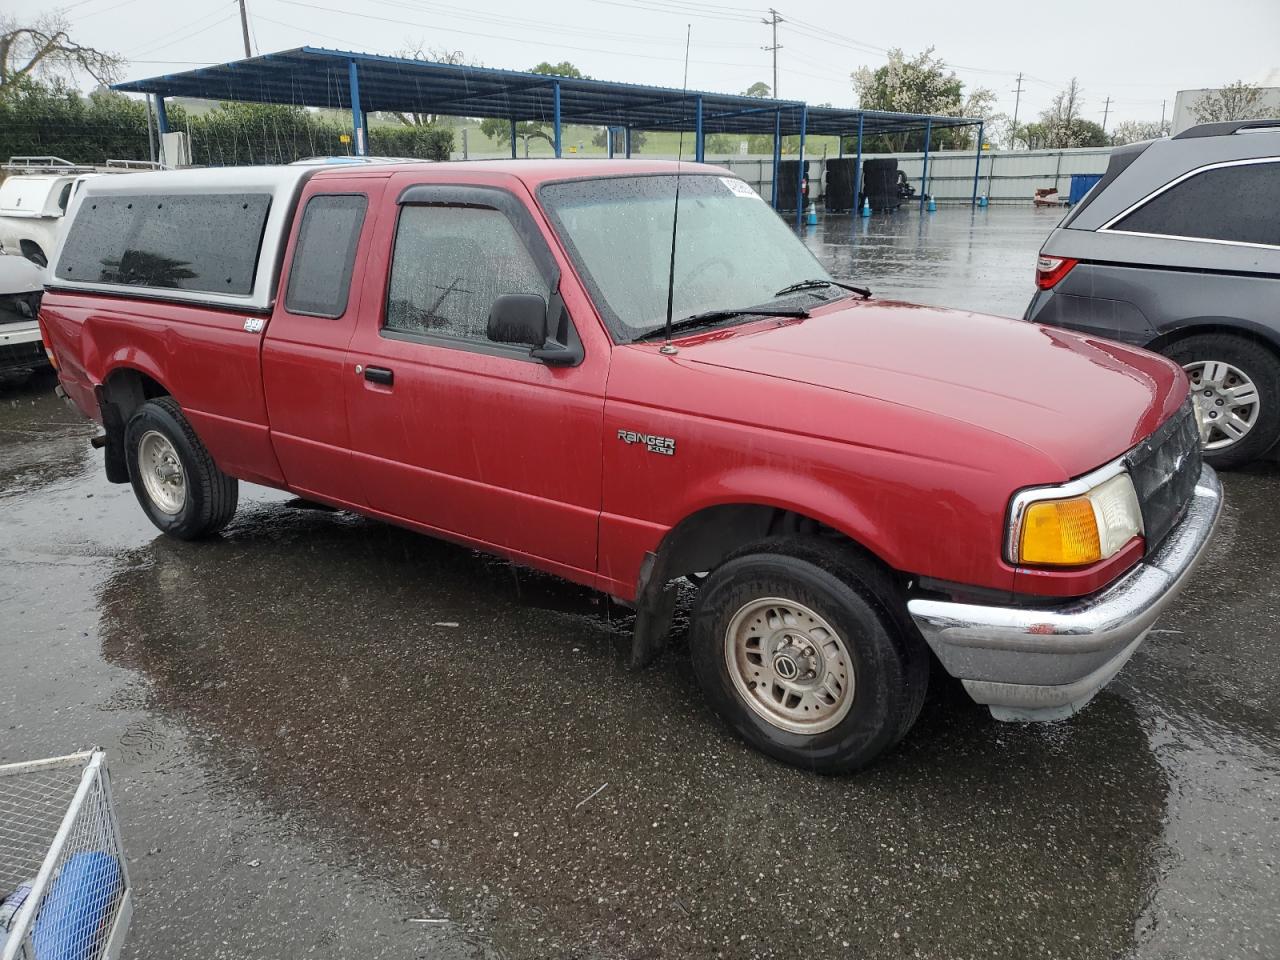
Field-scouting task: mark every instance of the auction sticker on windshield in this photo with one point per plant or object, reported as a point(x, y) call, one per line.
point(739, 188)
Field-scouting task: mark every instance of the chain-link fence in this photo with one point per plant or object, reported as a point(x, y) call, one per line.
point(64, 886)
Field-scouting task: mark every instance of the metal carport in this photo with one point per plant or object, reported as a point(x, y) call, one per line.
point(364, 83)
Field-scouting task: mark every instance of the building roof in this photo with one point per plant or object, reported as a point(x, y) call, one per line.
point(318, 77)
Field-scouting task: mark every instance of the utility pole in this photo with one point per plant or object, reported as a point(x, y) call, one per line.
point(1106, 111)
point(1162, 104)
point(1017, 100)
point(773, 21)
point(244, 28)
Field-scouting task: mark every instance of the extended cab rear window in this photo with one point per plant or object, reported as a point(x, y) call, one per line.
point(320, 279)
point(204, 242)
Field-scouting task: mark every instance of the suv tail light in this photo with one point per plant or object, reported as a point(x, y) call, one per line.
point(1051, 270)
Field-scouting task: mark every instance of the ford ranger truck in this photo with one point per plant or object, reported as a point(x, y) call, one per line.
point(517, 356)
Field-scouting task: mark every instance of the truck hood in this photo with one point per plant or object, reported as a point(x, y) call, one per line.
point(1079, 400)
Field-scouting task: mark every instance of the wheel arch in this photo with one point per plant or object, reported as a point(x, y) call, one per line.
point(712, 533)
point(1260, 333)
point(124, 389)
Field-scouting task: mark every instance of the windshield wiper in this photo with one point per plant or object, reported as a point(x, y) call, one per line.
point(814, 284)
point(710, 316)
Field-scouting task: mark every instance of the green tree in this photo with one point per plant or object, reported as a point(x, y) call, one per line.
point(499, 130)
point(757, 89)
point(601, 139)
point(923, 85)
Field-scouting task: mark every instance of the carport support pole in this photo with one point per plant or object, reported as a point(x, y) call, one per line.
point(977, 163)
point(513, 139)
point(555, 103)
point(626, 142)
point(924, 170)
point(777, 153)
point(162, 119)
point(357, 116)
point(699, 145)
point(857, 170)
point(804, 123)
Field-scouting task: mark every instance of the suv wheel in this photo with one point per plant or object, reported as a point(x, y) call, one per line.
point(174, 478)
point(1235, 385)
point(796, 646)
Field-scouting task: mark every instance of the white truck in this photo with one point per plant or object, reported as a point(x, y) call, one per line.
point(34, 196)
point(21, 286)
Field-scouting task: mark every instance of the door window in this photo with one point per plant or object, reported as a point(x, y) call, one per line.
point(1235, 203)
point(450, 264)
point(320, 278)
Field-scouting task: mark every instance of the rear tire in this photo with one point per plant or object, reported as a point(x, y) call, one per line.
point(805, 649)
point(1219, 366)
point(176, 482)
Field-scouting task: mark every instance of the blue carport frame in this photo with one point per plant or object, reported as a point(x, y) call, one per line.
point(366, 83)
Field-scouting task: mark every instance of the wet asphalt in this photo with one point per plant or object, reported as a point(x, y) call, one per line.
point(333, 738)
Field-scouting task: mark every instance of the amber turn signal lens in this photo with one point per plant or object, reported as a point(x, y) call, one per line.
point(1061, 533)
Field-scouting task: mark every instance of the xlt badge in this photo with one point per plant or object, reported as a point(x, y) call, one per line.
point(654, 444)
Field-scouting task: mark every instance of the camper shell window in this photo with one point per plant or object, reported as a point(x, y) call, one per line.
point(206, 242)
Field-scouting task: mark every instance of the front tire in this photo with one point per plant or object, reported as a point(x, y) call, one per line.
point(805, 650)
point(1235, 384)
point(176, 482)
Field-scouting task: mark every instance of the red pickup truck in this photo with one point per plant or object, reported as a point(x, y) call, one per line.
point(479, 351)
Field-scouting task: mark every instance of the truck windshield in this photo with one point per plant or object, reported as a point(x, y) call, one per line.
point(732, 250)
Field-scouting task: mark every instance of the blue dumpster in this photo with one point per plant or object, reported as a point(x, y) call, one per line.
point(1081, 183)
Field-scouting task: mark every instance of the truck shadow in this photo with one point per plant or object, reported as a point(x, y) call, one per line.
point(433, 708)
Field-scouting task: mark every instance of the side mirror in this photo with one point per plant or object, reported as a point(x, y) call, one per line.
point(523, 318)
point(518, 318)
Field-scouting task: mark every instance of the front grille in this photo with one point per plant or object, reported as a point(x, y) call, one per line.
point(1165, 468)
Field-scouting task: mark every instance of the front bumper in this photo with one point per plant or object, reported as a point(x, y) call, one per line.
point(1047, 663)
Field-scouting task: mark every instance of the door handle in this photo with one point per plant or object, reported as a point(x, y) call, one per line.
point(379, 375)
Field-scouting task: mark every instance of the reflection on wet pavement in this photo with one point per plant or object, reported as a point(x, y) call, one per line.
point(332, 738)
point(980, 259)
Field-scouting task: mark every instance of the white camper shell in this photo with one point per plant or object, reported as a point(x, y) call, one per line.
point(210, 236)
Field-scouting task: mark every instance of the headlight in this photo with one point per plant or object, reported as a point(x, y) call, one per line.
point(1075, 524)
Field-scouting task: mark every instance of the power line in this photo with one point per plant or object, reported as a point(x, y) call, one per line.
point(457, 13)
point(187, 36)
point(495, 36)
point(773, 22)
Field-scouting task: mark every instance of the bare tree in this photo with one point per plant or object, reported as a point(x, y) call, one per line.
point(45, 48)
point(1062, 114)
point(1236, 101)
point(433, 55)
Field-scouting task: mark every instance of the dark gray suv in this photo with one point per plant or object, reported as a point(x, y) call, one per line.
point(1177, 249)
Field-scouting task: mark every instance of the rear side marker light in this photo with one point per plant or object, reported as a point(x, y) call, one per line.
point(1051, 270)
point(47, 343)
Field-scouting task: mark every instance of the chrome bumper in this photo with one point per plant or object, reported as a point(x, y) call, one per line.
point(1047, 663)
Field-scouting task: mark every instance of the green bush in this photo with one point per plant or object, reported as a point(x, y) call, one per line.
point(52, 120)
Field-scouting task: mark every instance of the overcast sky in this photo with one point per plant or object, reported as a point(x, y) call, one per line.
point(1138, 52)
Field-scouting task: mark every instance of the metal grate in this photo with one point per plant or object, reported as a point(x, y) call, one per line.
point(61, 859)
point(1165, 469)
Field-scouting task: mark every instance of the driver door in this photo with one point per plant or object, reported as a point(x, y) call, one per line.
point(472, 439)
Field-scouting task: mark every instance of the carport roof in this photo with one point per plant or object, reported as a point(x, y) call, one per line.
point(318, 77)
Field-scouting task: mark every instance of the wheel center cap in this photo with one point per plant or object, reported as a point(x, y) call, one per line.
point(785, 666)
